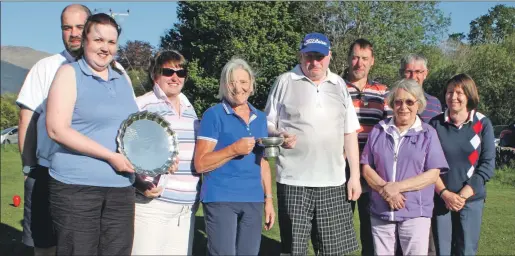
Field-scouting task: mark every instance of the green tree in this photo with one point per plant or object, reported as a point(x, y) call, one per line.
point(209, 34)
point(135, 54)
point(395, 29)
point(494, 26)
point(140, 81)
point(9, 114)
point(267, 35)
point(492, 67)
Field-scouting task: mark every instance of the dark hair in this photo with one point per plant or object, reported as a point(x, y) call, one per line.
point(469, 87)
point(363, 44)
point(84, 8)
point(162, 57)
point(104, 19)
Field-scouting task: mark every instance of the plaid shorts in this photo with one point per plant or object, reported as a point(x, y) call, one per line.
point(328, 207)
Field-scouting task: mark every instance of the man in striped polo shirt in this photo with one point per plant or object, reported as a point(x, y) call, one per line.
point(414, 66)
point(368, 98)
point(165, 225)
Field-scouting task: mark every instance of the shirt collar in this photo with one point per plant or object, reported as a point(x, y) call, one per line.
point(369, 83)
point(68, 56)
point(470, 117)
point(161, 95)
point(298, 75)
point(230, 111)
point(87, 70)
point(390, 126)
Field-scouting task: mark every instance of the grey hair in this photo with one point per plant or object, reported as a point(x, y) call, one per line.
point(413, 88)
point(412, 57)
point(226, 77)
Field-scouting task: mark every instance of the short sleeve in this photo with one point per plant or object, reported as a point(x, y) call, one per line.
point(32, 93)
point(435, 157)
point(367, 156)
point(351, 119)
point(209, 126)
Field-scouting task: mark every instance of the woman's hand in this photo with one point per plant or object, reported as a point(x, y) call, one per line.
point(147, 188)
point(175, 166)
point(453, 201)
point(244, 145)
point(120, 163)
point(269, 214)
point(397, 202)
point(390, 190)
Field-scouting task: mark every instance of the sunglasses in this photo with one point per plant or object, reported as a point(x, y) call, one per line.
point(182, 73)
point(408, 102)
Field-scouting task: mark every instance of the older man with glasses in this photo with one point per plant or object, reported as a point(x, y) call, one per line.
point(414, 66)
point(311, 107)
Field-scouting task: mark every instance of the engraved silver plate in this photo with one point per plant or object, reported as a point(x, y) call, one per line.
point(149, 143)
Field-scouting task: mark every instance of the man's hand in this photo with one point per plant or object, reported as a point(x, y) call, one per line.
point(244, 145)
point(289, 140)
point(269, 214)
point(390, 190)
point(453, 201)
point(353, 189)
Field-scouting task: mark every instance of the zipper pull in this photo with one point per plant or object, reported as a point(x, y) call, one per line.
point(395, 157)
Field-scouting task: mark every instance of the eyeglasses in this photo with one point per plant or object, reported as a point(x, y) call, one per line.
point(415, 72)
point(182, 73)
point(408, 102)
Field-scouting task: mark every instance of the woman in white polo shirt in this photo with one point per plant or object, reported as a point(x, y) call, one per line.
point(165, 225)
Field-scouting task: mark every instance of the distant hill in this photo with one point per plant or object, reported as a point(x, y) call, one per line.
point(16, 62)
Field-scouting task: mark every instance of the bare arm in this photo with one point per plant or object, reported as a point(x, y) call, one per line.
point(373, 179)
point(352, 153)
point(266, 176)
point(206, 160)
point(439, 186)
point(420, 181)
point(61, 101)
point(27, 136)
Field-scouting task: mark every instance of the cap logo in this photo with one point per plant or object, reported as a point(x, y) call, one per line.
point(315, 41)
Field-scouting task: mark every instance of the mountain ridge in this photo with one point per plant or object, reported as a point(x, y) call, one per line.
point(16, 61)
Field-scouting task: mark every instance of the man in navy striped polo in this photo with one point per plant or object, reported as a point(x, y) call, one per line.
point(414, 66)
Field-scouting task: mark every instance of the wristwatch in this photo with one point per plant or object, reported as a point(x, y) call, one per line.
point(462, 196)
point(269, 196)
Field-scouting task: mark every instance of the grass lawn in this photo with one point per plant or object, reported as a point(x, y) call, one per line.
point(497, 233)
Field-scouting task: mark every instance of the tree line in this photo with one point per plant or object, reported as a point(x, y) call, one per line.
point(267, 35)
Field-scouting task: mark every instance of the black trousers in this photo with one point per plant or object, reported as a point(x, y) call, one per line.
point(37, 224)
point(91, 220)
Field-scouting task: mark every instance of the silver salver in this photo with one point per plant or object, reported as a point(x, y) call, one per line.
point(149, 143)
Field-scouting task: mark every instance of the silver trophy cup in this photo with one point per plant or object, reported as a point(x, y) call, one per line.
point(271, 145)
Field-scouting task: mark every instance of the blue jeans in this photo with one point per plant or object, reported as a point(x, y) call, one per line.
point(233, 228)
point(457, 233)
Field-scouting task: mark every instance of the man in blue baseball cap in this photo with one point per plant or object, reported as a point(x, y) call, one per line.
point(311, 108)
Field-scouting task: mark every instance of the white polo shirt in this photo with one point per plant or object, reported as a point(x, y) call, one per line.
point(319, 116)
point(34, 93)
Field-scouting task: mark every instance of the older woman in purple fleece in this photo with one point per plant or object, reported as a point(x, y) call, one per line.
point(401, 162)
